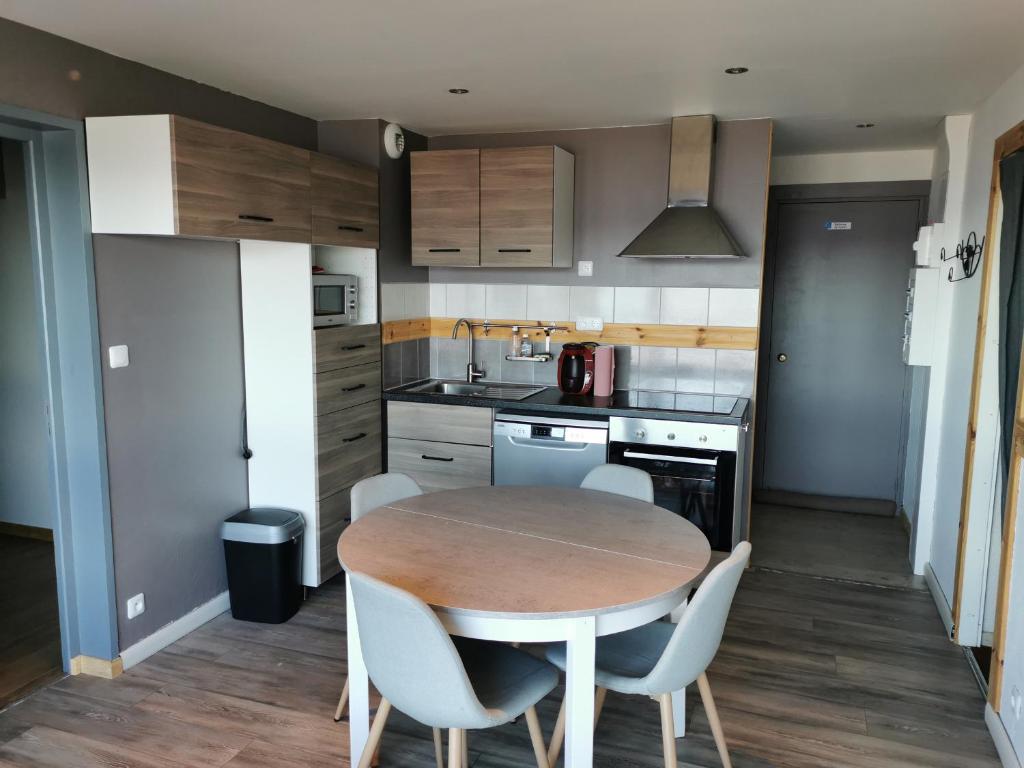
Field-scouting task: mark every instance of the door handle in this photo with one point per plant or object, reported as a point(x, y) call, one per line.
point(782, 357)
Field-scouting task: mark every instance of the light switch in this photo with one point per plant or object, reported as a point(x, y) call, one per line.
point(118, 356)
point(585, 268)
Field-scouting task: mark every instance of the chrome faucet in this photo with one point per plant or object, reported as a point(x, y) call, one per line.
point(472, 374)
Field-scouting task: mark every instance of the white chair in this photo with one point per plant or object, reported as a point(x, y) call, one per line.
point(458, 685)
point(659, 658)
point(621, 480)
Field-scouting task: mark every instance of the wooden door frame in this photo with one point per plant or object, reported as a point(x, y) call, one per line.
point(1010, 142)
point(788, 194)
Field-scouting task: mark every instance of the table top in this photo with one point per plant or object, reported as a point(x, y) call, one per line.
point(527, 551)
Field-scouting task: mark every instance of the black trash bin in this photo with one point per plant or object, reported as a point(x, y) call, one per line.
point(263, 549)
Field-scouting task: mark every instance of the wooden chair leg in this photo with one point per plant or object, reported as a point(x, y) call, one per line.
point(376, 730)
point(716, 725)
point(558, 735)
point(342, 702)
point(438, 748)
point(668, 730)
point(454, 748)
point(537, 738)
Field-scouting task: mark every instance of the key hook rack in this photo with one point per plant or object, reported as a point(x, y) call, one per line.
point(968, 253)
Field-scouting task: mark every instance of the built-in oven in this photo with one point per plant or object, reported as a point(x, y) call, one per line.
point(692, 465)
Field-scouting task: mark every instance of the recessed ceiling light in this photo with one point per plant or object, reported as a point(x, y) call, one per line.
point(458, 91)
point(736, 70)
point(865, 125)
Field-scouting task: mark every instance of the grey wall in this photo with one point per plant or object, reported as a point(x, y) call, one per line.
point(173, 418)
point(621, 184)
point(36, 68)
point(361, 141)
point(24, 446)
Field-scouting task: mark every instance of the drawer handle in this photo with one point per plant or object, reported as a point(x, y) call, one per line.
point(254, 217)
point(444, 250)
point(435, 458)
point(353, 347)
point(349, 228)
point(352, 439)
point(515, 250)
point(353, 389)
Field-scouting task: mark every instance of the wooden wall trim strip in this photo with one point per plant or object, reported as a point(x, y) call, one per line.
point(26, 531)
point(93, 667)
point(710, 337)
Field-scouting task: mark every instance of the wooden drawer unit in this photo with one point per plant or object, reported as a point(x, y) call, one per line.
point(440, 466)
point(346, 207)
point(334, 515)
point(526, 207)
point(345, 387)
point(348, 447)
point(231, 184)
point(446, 208)
point(345, 346)
point(440, 423)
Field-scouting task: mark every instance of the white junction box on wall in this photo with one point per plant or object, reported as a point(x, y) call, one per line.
point(920, 316)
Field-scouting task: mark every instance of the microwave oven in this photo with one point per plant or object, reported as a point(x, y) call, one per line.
point(335, 300)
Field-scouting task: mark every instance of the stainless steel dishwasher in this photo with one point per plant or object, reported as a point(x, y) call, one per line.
point(547, 450)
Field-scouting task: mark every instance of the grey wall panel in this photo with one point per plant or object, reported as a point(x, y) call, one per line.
point(36, 66)
point(24, 446)
point(172, 418)
point(621, 184)
point(355, 140)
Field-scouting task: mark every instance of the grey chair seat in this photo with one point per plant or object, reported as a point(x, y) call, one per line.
point(624, 660)
point(507, 681)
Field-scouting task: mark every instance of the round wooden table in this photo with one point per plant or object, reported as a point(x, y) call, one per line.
point(526, 564)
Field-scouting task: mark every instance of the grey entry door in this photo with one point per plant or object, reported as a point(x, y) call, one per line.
point(836, 380)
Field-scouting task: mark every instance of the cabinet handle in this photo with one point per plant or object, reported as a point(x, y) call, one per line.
point(515, 250)
point(360, 436)
point(435, 458)
point(254, 217)
point(353, 389)
point(353, 347)
point(444, 250)
point(350, 228)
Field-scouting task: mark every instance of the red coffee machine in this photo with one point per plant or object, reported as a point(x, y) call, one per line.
point(576, 368)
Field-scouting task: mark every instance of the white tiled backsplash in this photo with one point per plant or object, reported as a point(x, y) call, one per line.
point(734, 307)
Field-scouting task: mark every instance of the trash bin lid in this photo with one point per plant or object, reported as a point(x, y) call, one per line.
point(263, 525)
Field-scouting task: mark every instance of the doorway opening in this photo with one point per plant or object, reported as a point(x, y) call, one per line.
point(833, 389)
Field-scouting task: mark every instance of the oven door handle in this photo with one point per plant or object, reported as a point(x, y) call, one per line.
point(673, 459)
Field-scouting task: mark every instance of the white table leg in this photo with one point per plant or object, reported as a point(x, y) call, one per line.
point(679, 712)
point(579, 692)
point(358, 683)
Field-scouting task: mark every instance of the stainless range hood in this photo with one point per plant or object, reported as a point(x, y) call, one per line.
point(689, 228)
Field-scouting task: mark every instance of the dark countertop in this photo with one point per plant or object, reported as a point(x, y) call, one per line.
point(708, 409)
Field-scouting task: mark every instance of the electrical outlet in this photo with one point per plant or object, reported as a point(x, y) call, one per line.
point(136, 605)
point(118, 356)
point(585, 268)
point(589, 324)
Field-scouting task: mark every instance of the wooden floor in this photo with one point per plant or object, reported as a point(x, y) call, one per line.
point(29, 623)
point(837, 545)
point(812, 673)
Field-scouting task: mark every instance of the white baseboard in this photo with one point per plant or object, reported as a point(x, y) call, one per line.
point(1002, 740)
point(941, 603)
point(176, 630)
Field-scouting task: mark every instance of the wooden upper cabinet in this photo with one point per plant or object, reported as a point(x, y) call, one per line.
point(231, 184)
point(526, 202)
point(346, 207)
point(446, 208)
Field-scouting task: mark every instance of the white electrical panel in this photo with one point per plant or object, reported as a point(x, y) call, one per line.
point(920, 316)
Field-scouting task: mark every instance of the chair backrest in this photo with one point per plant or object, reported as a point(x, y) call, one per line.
point(383, 489)
point(411, 659)
point(620, 479)
point(699, 633)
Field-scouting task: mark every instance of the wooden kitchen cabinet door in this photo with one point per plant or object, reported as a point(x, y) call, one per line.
point(526, 200)
point(346, 206)
point(231, 184)
point(446, 208)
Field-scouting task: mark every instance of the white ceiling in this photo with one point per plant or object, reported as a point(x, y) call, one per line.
point(817, 66)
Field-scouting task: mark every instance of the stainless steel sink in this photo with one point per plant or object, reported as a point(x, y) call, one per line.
point(464, 389)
